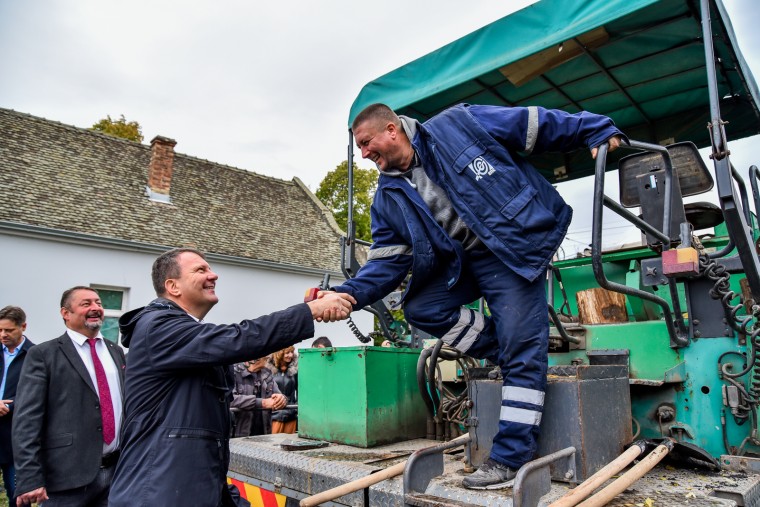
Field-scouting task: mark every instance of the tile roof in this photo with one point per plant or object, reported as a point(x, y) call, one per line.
point(67, 178)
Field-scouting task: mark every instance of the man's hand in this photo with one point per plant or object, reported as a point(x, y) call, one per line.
point(276, 402)
point(4, 407)
point(614, 141)
point(36, 496)
point(331, 306)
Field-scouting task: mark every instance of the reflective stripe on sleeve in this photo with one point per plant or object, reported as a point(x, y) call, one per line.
point(532, 131)
point(520, 415)
point(389, 251)
point(522, 394)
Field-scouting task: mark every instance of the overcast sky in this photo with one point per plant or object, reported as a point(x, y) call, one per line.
point(264, 86)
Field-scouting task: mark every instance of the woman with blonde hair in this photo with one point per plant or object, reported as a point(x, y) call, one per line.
point(284, 367)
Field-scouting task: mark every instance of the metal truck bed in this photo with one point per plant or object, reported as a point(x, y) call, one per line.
point(262, 463)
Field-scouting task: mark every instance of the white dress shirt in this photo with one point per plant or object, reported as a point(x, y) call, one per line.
point(112, 374)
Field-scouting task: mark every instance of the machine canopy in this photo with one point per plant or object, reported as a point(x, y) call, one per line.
point(640, 62)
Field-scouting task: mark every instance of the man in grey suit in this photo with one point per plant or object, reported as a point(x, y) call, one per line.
point(68, 411)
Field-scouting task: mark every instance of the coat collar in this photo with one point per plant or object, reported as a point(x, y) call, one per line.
point(67, 347)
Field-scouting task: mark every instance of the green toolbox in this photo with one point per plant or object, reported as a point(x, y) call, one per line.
point(362, 396)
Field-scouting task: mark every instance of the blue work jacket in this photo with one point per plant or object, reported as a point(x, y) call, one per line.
point(477, 155)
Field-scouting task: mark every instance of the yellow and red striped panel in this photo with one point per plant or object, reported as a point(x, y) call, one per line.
point(257, 496)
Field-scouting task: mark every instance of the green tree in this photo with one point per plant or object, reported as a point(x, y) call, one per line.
point(119, 128)
point(333, 192)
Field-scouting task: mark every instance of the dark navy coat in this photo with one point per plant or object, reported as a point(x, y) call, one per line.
point(178, 388)
point(11, 383)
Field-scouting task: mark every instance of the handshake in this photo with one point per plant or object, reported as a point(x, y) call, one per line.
point(328, 306)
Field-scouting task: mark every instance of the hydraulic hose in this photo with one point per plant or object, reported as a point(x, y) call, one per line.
point(560, 328)
point(422, 385)
point(433, 388)
point(433, 364)
point(747, 324)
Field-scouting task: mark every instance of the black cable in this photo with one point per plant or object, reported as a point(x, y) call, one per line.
point(432, 364)
point(421, 382)
point(746, 325)
point(357, 332)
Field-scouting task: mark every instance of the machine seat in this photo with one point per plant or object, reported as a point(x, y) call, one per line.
point(702, 215)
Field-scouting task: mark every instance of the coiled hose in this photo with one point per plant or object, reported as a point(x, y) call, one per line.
point(747, 325)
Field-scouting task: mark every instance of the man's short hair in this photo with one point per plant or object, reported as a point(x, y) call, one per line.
point(376, 113)
point(166, 267)
point(14, 314)
point(322, 341)
point(69, 293)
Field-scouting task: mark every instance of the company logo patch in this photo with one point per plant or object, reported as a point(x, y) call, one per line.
point(481, 167)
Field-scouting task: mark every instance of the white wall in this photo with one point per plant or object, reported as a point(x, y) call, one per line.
point(37, 271)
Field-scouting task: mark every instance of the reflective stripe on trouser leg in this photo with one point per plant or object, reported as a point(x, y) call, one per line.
point(518, 314)
point(522, 395)
point(465, 331)
point(519, 419)
point(520, 415)
point(521, 405)
point(438, 310)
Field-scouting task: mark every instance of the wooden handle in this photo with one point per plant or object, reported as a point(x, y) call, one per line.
point(350, 487)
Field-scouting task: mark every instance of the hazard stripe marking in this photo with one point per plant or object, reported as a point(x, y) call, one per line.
point(258, 497)
point(240, 486)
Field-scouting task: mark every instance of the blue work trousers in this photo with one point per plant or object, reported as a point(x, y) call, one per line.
point(515, 337)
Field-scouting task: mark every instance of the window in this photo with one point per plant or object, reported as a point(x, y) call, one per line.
point(114, 301)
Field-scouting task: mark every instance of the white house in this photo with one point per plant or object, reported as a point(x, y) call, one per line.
point(82, 208)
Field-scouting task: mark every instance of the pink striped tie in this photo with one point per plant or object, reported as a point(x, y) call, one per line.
point(106, 405)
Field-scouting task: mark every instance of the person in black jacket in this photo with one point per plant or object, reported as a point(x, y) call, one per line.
point(254, 396)
point(179, 382)
point(15, 345)
point(284, 366)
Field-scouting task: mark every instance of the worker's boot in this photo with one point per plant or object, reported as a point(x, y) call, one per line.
point(490, 475)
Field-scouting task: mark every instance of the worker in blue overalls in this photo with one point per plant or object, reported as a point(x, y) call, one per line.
point(459, 205)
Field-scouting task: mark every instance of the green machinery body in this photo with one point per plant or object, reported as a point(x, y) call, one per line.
point(675, 392)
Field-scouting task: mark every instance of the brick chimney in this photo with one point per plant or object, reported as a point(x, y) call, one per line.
point(160, 169)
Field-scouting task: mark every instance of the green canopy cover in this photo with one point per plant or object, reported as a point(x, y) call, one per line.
point(640, 62)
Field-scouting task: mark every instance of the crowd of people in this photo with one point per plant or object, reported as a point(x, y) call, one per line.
point(265, 393)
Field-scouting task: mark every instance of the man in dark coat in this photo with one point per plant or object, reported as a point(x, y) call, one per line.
point(179, 383)
point(68, 411)
point(15, 346)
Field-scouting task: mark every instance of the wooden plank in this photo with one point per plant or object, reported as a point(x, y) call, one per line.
point(601, 306)
point(524, 70)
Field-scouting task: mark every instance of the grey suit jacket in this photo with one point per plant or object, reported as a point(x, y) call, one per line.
point(57, 428)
